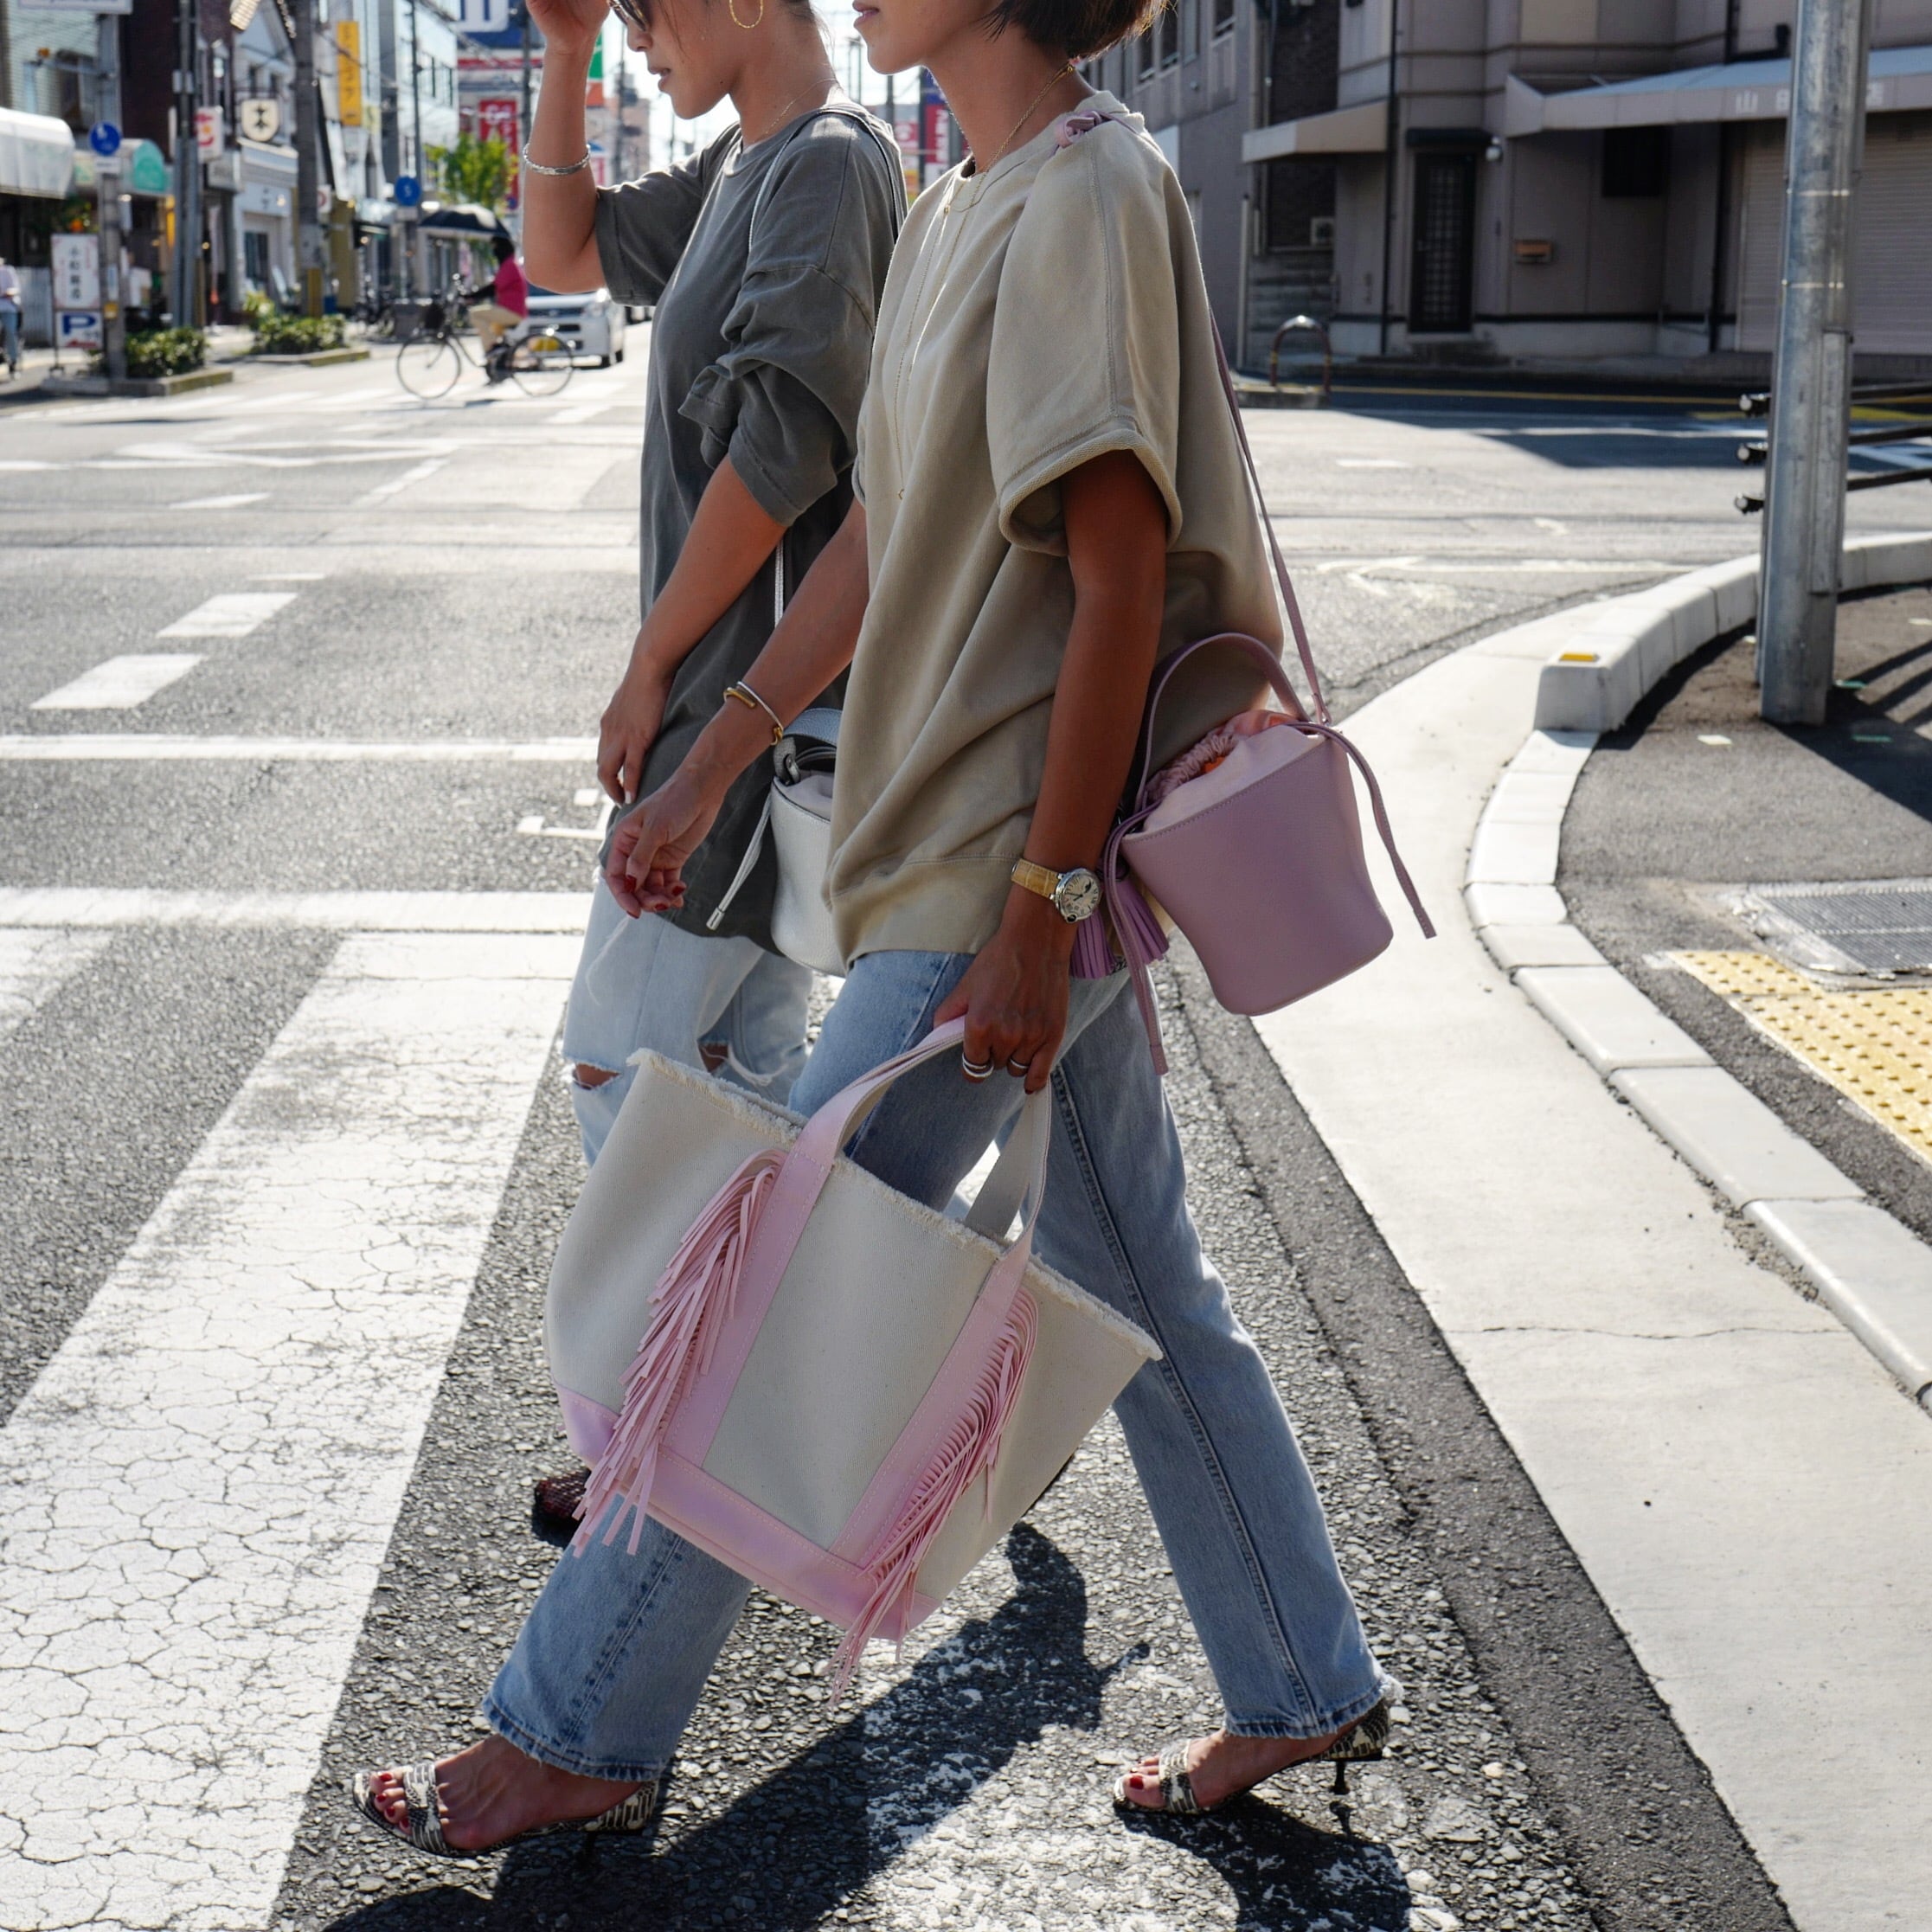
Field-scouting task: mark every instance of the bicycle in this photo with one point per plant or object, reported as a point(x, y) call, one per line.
point(433, 356)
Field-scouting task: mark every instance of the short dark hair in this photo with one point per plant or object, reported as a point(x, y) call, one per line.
point(1078, 28)
point(503, 245)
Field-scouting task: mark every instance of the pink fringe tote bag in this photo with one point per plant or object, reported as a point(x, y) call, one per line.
point(840, 1393)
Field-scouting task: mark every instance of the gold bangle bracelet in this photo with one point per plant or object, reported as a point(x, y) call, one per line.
point(744, 695)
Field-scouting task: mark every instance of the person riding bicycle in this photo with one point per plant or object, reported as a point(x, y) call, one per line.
point(509, 306)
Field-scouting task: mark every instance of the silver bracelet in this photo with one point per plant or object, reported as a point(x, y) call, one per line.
point(542, 167)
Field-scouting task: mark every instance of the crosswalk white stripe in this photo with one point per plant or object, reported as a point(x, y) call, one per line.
point(35, 962)
point(120, 684)
point(349, 912)
point(234, 613)
point(202, 1482)
point(117, 745)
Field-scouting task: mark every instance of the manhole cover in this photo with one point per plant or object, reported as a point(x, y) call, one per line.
point(1872, 925)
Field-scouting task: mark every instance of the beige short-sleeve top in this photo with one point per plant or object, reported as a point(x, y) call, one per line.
point(1033, 318)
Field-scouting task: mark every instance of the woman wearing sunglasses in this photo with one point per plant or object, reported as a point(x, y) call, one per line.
point(764, 256)
point(1053, 500)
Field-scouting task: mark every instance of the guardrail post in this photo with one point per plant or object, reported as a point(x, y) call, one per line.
point(1804, 511)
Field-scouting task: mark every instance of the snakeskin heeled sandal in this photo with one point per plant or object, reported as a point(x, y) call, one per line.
point(423, 1825)
point(1363, 1743)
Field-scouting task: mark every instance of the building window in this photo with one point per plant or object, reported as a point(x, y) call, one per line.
point(1224, 17)
point(1636, 162)
point(1148, 53)
point(1170, 35)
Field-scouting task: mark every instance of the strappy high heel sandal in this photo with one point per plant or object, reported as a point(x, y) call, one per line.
point(423, 1825)
point(1363, 1743)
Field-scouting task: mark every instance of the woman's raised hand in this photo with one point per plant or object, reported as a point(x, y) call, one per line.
point(629, 728)
point(648, 850)
point(569, 23)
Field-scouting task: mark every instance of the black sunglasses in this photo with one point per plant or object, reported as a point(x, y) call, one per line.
point(633, 14)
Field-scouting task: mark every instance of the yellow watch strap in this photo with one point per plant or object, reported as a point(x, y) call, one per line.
point(1042, 879)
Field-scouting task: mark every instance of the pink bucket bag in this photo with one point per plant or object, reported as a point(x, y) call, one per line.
point(837, 1391)
point(1250, 843)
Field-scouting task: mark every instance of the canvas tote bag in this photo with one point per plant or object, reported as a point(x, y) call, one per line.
point(837, 1391)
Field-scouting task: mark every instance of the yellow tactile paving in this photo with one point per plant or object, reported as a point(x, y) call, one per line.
point(1874, 1046)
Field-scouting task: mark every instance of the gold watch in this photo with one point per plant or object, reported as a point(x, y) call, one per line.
point(1076, 895)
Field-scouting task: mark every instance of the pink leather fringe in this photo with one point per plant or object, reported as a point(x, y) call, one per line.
point(969, 1451)
point(692, 1301)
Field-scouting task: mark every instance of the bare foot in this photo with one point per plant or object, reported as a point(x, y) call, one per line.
point(1220, 1766)
point(493, 1791)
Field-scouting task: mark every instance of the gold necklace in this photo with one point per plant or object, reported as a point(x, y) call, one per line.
point(783, 113)
point(1053, 80)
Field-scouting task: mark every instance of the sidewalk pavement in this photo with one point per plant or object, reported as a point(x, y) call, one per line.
point(1742, 1480)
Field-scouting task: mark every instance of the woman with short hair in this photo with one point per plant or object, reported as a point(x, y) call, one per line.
point(1052, 502)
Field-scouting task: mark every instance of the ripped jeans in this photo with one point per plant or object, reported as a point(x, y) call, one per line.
point(615, 1652)
point(644, 982)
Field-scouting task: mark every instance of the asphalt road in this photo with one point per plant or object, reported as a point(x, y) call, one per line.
point(463, 574)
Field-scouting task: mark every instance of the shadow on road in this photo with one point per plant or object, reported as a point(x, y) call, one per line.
point(798, 1848)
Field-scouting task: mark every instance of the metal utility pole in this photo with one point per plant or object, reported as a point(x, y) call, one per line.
point(524, 111)
point(107, 189)
point(310, 253)
point(188, 170)
point(1811, 374)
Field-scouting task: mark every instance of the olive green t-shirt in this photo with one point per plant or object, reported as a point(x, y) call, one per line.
point(758, 351)
point(1034, 318)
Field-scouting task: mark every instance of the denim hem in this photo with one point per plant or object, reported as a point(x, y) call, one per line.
point(513, 1733)
point(1294, 1727)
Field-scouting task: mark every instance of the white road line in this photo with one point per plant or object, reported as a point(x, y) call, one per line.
point(120, 684)
point(119, 746)
point(290, 576)
point(25, 463)
point(234, 613)
point(63, 907)
point(202, 1482)
point(383, 491)
point(581, 412)
point(223, 503)
point(35, 962)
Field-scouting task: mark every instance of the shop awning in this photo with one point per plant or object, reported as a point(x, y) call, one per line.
point(1900, 79)
point(457, 218)
point(36, 155)
point(1362, 129)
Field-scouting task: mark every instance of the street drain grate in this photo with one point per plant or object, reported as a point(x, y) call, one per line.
point(1871, 925)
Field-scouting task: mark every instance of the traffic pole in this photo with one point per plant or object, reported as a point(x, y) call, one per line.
point(188, 168)
point(310, 256)
point(1811, 373)
point(107, 189)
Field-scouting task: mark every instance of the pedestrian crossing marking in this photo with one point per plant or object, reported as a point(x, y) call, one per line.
point(202, 1482)
point(120, 684)
point(35, 962)
point(117, 747)
point(234, 613)
point(65, 907)
point(223, 502)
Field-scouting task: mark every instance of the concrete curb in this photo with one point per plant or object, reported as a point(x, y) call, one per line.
point(320, 358)
point(1870, 1271)
point(136, 385)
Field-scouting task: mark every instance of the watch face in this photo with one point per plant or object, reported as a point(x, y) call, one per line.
point(1078, 895)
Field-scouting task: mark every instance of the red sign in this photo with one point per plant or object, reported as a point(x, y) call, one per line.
point(495, 120)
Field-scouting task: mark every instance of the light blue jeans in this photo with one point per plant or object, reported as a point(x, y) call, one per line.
point(644, 982)
point(615, 1653)
point(9, 334)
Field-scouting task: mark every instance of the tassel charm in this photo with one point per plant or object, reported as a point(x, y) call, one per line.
point(692, 1302)
point(968, 1453)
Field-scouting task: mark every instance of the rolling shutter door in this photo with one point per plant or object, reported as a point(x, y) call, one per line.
point(1891, 292)
point(1761, 238)
point(1891, 288)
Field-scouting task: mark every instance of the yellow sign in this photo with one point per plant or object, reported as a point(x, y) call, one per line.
point(348, 73)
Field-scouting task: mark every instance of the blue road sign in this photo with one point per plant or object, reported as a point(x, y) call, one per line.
point(105, 138)
point(408, 191)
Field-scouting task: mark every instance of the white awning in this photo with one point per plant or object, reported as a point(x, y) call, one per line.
point(1362, 129)
point(37, 154)
point(1900, 79)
